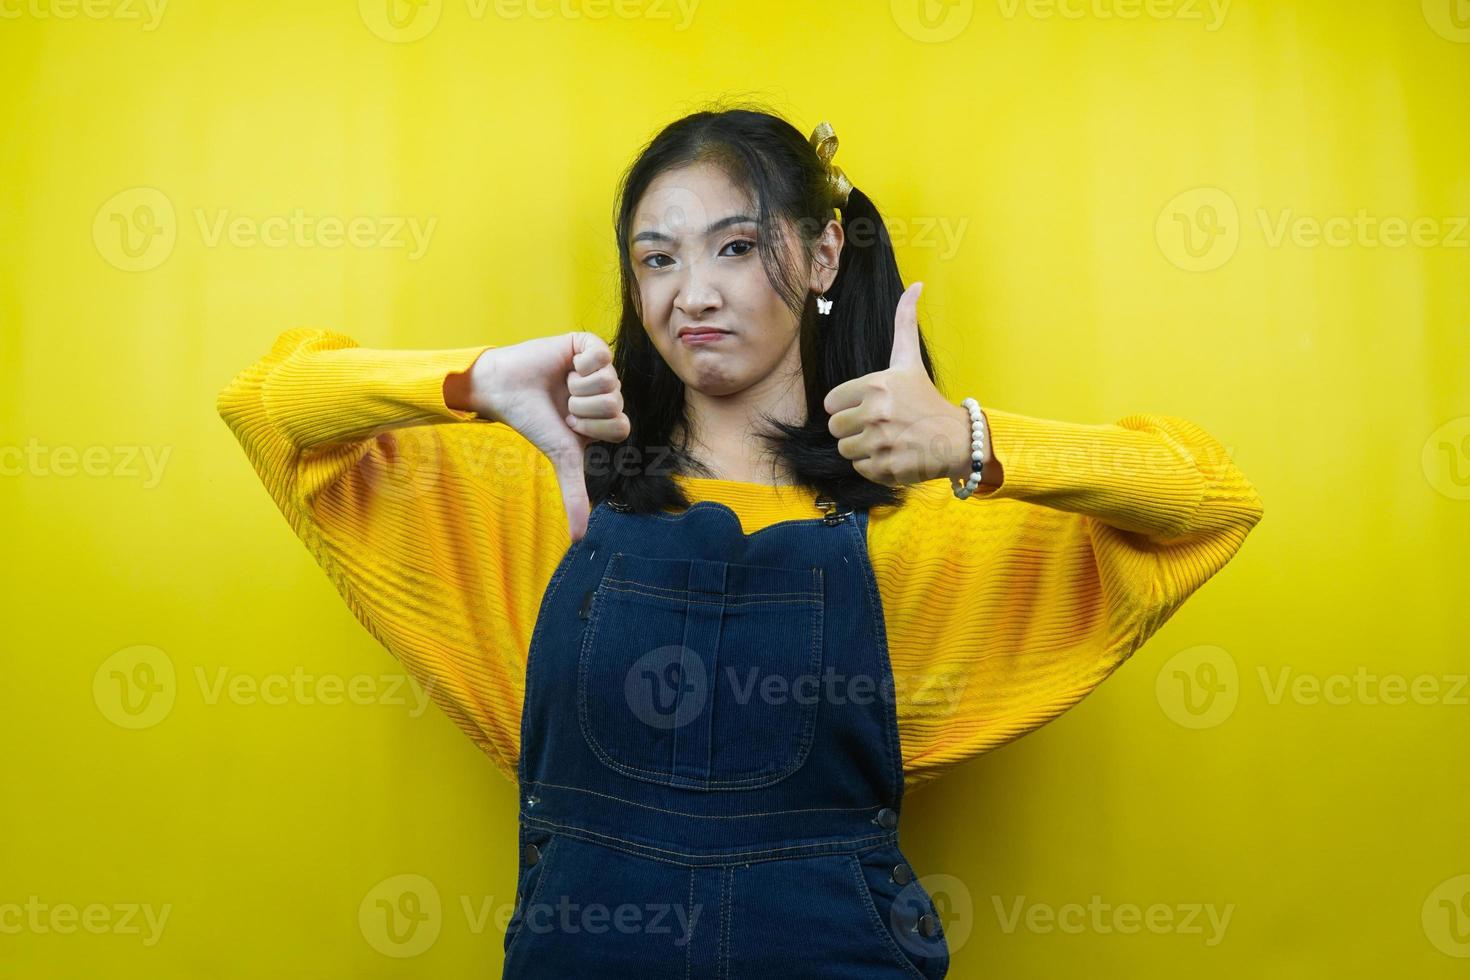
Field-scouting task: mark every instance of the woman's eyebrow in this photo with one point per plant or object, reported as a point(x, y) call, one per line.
point(658, 236)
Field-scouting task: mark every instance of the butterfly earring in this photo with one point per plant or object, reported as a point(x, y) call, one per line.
point(824, 305)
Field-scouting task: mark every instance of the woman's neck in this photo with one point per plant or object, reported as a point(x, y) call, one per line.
point(723, 428)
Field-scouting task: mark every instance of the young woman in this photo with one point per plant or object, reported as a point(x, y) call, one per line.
point(799, 577)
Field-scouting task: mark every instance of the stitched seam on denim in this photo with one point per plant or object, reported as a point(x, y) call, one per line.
point(792, 572)
point(816, 656)
point(570, 831)
point(731, 599)
point(708, 765)
point(575, 831)
point(588, 633)
point(689, 940)
point(713, 816)
point(876, 920)
point(880, 638)
point(726, 888)
point(757, 780)
point(780, 571)
point(545, 866)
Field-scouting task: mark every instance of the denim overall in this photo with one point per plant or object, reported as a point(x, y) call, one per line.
point(710, 775)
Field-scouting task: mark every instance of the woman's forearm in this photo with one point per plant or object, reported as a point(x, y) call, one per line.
point(319, 387)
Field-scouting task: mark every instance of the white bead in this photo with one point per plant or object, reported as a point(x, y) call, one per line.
point(977, 449)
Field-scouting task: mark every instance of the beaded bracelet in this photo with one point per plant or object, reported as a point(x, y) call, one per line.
point(977, 451)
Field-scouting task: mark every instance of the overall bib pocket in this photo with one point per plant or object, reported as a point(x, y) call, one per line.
point(701, 674)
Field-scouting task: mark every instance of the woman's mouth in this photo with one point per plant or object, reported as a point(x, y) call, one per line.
point(699, 336)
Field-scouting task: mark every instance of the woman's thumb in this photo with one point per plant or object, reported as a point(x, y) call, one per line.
point(572, 479)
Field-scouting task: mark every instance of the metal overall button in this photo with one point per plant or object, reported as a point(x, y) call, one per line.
point(928, 924)
point(902, 874)
point(887, 819)
point(833, 516)
point(532, 854)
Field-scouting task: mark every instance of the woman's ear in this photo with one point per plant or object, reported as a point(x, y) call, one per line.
point(824, 258)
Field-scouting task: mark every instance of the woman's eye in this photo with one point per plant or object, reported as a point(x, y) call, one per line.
point(649, 260)
point(742, 241)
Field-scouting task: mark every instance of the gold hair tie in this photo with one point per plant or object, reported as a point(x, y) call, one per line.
point(824, 141)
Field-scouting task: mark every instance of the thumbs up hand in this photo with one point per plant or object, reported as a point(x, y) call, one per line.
point(894, 425)
point(562, 394)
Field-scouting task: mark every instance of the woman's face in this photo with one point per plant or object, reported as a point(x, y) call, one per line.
point(694, 255)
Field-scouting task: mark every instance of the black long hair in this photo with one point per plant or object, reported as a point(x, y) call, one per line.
point(781, 171)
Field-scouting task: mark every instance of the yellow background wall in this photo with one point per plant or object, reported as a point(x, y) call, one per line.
point(1113, 206)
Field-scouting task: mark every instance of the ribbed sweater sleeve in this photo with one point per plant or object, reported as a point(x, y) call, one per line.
point(441, 532)
point(439, 537)
point(1009, 607)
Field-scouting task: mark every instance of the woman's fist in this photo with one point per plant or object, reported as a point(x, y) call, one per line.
point(561, 393)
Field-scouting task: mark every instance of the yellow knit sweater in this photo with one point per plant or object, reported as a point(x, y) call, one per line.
point(1002, 610)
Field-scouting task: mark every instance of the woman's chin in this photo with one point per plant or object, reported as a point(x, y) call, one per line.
point(714, 383)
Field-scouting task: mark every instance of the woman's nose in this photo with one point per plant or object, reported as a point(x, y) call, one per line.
point(698, 293)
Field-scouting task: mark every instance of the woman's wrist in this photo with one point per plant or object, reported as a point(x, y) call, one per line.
point(963, 462)
point(471, 390)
